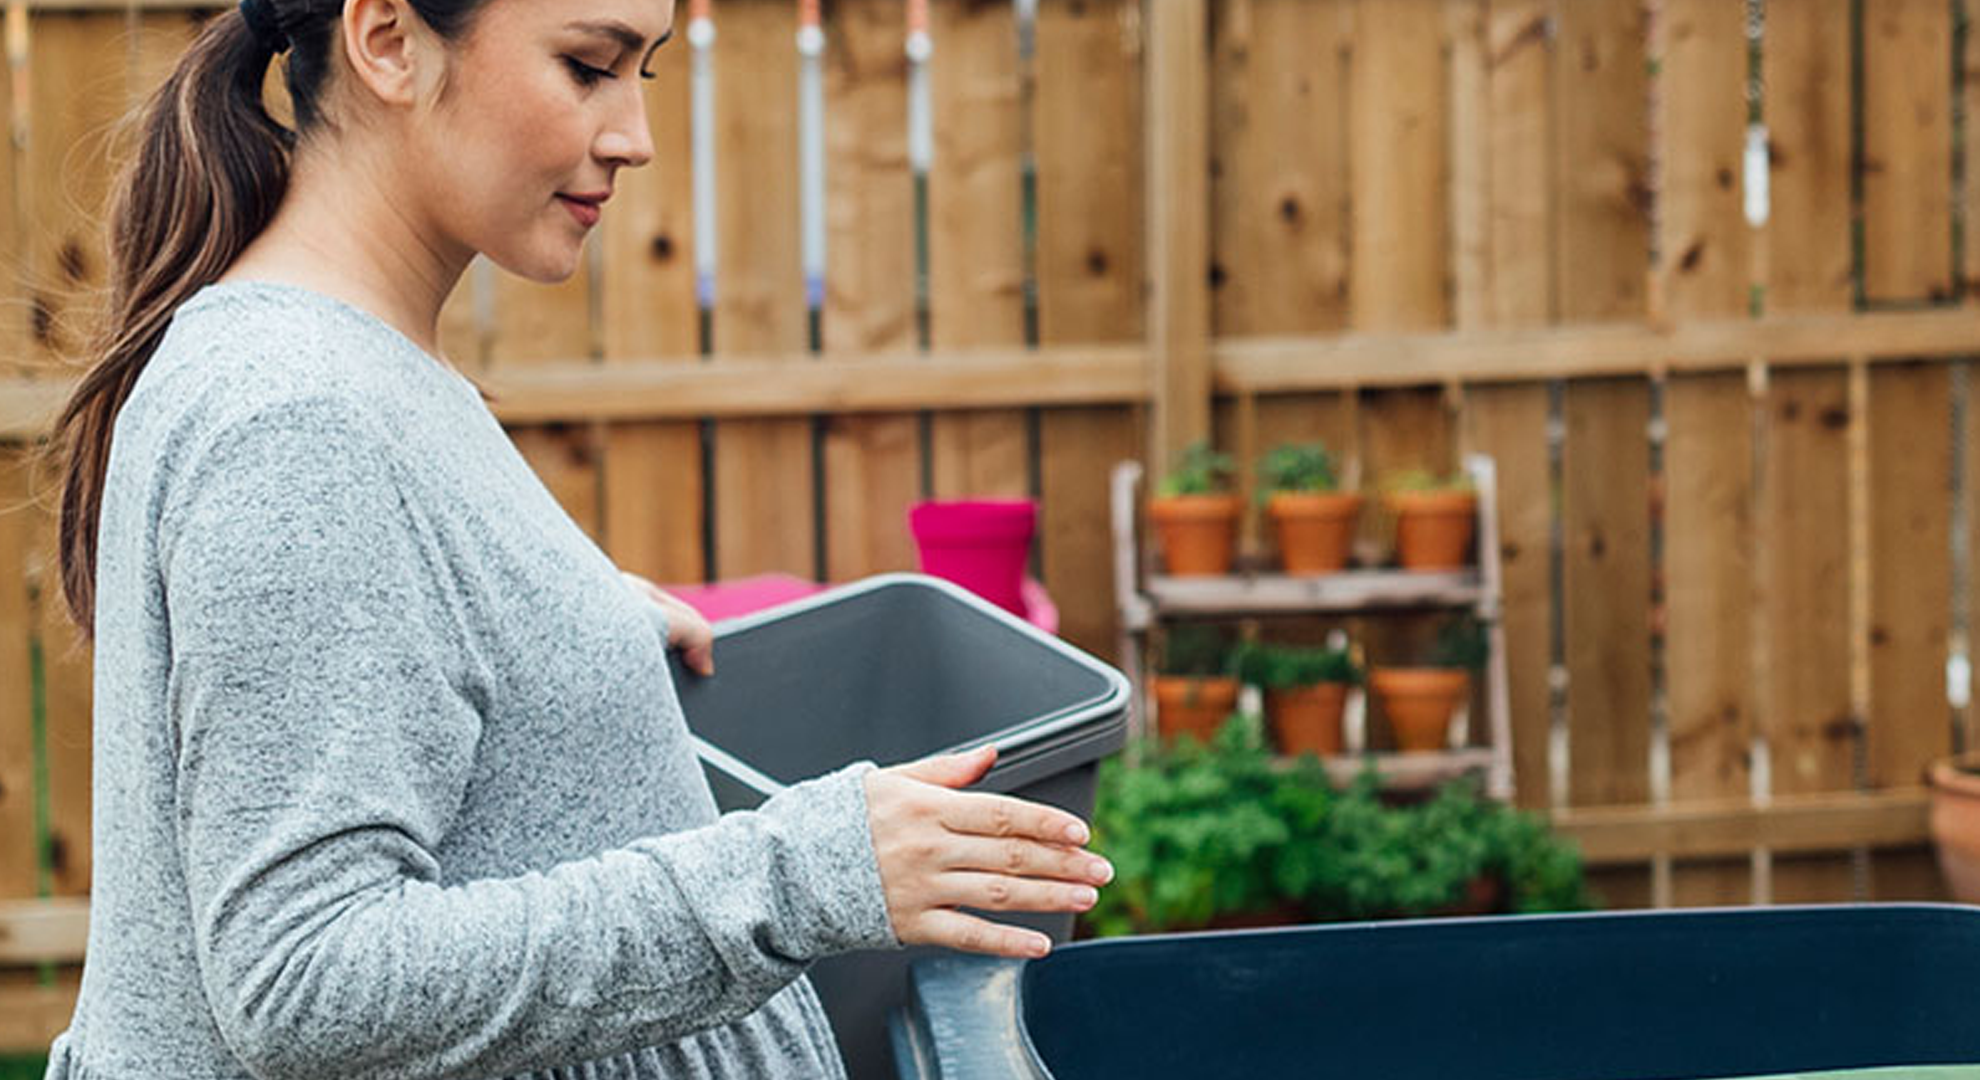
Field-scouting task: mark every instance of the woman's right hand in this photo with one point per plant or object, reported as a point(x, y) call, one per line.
point(941, 849)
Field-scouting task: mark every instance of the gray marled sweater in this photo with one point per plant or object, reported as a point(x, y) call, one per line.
point(390, 777)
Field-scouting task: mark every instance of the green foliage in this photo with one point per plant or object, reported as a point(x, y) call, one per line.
point(1462, 642)
point(1289, 667)
point(1297, 467)
point(1424, 481)
point(1201, 471)
point(22, 1068)
point(1197, 651)
point(1196, 832)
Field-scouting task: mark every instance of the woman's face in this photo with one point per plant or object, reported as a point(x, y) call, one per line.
point(543, 106)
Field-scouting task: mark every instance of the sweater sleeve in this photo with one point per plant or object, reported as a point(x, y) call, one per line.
point(325, 732)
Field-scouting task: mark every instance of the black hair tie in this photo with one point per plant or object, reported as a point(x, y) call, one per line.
point(264, 24)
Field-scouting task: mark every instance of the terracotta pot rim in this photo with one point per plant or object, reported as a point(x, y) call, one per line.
point(1314, 503)
point(1422, 673)
point(1432, 502)
point(1324, 684)
point(1174, 507)
point(1957, 775)
point(1205, 682)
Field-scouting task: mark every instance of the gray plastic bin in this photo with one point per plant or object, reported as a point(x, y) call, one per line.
point(890, 669)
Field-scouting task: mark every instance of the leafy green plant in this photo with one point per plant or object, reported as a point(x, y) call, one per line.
point(1198, 832)
point(1288, 667)
point(1463, 641)
point(1297, 467)
point(1424, 481)
point(1200, 471)
point(1196, 650)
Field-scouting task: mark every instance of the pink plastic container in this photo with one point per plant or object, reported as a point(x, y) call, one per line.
point(742, 596)
point(980, 544)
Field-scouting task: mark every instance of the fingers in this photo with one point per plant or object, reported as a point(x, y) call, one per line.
point(951, 770)
point(999, 815)
point(999, 892)
point(1027, 858)
point(955, 930)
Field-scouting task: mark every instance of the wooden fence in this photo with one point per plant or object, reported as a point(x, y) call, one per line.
point(1735, 458)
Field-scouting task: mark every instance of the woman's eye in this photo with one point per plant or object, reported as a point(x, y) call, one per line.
point(584, 73)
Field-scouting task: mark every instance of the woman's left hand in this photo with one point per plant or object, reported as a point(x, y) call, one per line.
point(687, 629)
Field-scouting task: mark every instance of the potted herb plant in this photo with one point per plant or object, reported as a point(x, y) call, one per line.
point(1196, 687)
point(1198, 833)
point(1420, 699)
point(1195, 514)
point(1218, 835)
point(1313, 519)
point(1435, 519)
point(1305, 693)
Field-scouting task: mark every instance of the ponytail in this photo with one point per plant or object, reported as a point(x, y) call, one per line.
point(210, 169)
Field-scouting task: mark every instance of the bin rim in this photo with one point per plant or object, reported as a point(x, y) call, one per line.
point(1022, 736)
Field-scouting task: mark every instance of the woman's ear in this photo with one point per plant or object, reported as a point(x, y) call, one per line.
point(391, 51)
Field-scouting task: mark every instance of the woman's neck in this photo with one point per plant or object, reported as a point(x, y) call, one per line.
point(338, 231)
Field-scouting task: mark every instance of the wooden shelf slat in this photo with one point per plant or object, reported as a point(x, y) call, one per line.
point(1349, 590)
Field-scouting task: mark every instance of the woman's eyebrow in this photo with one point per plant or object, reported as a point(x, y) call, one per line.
point(628, 38)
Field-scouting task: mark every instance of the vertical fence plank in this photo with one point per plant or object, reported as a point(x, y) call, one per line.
point(976, 236)
point(1521, 280)
point(1810, 729)
point(16, 327)
point(1602, 190)
point(1510, 424)
point(1805, 66)
point(872, 463)
point(1907, 257)
point(1279, 179)
point(1810, 266)
point(1907, 150)
point(75, 100)
point(1607, 606)
point(764, 517)
point(1088, 124)
point(1397, 161)
point(1708, 462)
point(1602, 244)
point(1709, 563)
point(18, 858)
point(653, 479)
point(1910, 581)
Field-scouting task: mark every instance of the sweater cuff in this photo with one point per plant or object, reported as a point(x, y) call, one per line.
point(841, 871)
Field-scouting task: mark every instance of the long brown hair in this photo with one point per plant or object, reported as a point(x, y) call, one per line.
point(210, 169)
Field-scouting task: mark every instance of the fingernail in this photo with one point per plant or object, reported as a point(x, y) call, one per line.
point(1076, 832)
point(1040, 947)
point(1100, 870)
point(1085, 897)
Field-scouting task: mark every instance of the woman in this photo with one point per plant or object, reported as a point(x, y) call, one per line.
point(391, 780)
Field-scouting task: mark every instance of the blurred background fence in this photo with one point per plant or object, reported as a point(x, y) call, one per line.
point(1696, 272)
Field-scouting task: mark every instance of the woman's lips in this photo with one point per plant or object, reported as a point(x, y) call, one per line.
point(586, 212)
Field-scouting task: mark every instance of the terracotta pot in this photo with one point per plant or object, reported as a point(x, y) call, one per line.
point(1193, 706)
point(1955, 784)
point(1307, 718)
point(1434, 528)
point(1419, 703)
point(1197, 533)
point(1315, 529)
